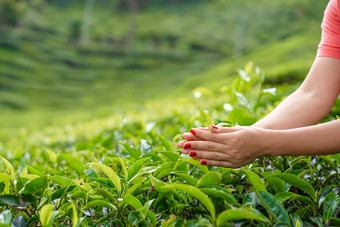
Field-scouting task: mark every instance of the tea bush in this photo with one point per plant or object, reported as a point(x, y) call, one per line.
point(126, 170)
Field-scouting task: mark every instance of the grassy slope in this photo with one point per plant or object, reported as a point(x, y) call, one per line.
point(58, 82)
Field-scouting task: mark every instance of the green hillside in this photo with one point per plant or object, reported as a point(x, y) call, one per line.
point(44, 67)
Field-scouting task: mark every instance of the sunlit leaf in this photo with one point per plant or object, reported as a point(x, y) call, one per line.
point(9, 167)
point(205, 115)
point(45, 214)
point(198, 194)
point(240, 213)
point(165, 143)
point(133, 201)
point(211, 178)
point(109, 173)
point(255, 181)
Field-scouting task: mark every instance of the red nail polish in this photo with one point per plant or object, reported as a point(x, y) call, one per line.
point(183, 137)
point(193, 153)
point(214, 127)
point(187, 145)
point(203, 162)
point(193, 132)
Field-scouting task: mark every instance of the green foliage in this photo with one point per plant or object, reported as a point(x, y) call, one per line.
point(125, 170)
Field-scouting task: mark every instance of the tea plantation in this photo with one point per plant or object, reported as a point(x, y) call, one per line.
point(88, 133)
point(125, 170)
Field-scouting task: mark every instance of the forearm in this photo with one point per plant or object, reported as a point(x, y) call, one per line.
point(311, 102)
point(297, 110)
point(319, 139)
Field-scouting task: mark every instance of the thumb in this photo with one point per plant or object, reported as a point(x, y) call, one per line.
point(219, 129)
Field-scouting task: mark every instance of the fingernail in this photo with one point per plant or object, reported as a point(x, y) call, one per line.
point(187, 145)
point(214, 127)
point(183, 137)
point(203, 162)
point(193, 132)
point(192, 153)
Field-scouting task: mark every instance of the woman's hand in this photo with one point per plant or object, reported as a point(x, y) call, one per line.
point(227, 147)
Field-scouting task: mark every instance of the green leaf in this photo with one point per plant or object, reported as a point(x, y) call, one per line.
point(13, 200)
point(273, 206)
point(165, 143)
point(172, 156)
point(133, 170)
point(72, 162)
point(205, 115)
point(133, 152)
point(240, 213)
point(122, 164)
point(133, 201)
point(35, 185)
point(198, 194)
point(52, 156)
point(99, 203)
point(276, 183)
point(216, 191)
point(134, 218)
point(8, 166)
point(45, 214)
point(63, 181)
point(211, 178)
point(19, 221)
point(109, 173)
point(305, 200)
point(6, 217)
point(190, 180)
point(74, 215)
point(5, 177)
point(299, 183)
point(255, 181)
point(197, 164)
point(106, 194)
point(329, 161)
point(330, 203)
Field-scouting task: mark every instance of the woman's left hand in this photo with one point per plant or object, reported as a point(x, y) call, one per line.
point(231, 147)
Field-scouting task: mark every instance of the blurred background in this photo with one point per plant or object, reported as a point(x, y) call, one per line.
point(66, 60)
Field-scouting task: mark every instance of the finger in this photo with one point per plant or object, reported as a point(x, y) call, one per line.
point(180, 144)
point(208, 162)
point(205, 146)
point(189, 137)
point(211, 155)
point(219, 129)
point(207, 135)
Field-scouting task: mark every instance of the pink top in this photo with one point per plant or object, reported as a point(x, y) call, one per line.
point(330, 39)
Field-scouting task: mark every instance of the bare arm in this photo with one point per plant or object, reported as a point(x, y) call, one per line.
point(311, 102)
point(319, 139)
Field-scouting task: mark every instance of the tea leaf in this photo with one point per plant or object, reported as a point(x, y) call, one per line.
point(331, 202)
point(109, 173)
point(240, 213)
point(205, 115)
point(99, 203)
point(211, 178)
point(198, 194)
point(298, 182)
point(216, 191)
point(8, 166)
point(45, 215)
point(273, 206)
point(255, 181)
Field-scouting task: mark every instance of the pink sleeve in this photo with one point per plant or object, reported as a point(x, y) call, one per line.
point(330, 39)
